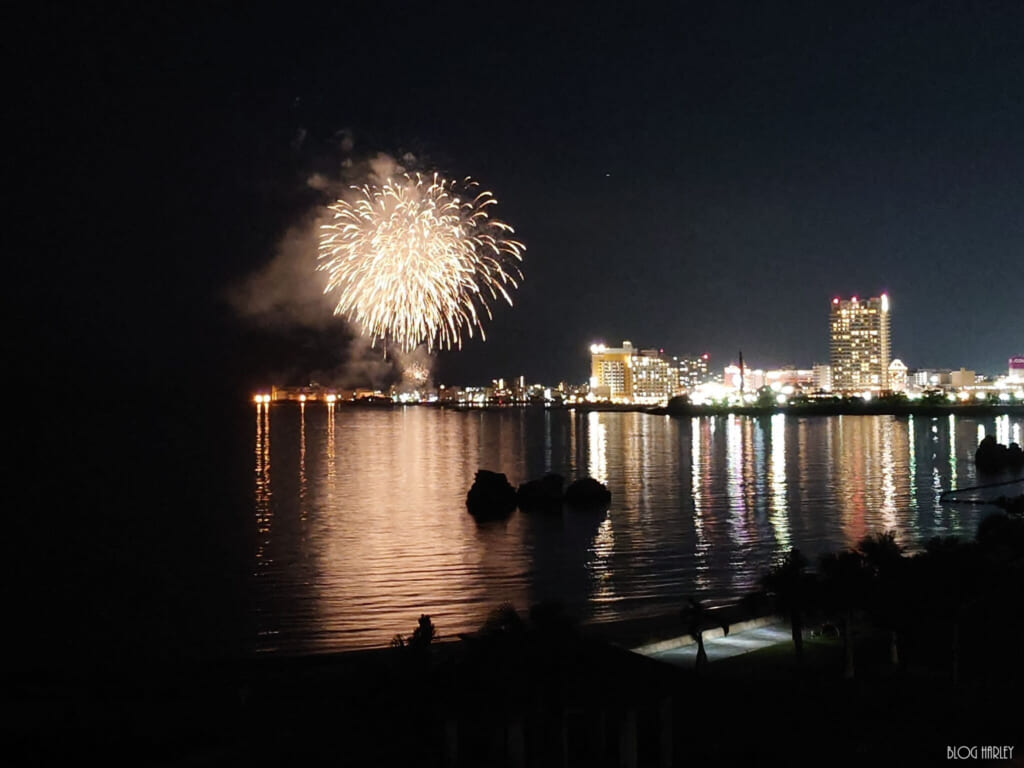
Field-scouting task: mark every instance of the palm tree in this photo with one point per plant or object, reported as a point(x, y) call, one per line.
point(887, 567)
point(791, 588)
point(844, 583)
point(952, 570)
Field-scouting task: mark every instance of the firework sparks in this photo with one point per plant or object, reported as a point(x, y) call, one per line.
point(417, 373)
point(417, 259)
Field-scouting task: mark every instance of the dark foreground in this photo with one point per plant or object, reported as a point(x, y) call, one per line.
point(538, 694)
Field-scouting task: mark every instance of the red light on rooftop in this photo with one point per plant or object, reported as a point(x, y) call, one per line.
point(835, 301)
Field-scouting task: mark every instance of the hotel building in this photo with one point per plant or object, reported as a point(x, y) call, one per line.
point(628, 375)
point(611, 375)
point(654, 379)
point(691, 372)
point(860, 348)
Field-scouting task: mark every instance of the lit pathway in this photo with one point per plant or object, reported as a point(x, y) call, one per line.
point(717, 647)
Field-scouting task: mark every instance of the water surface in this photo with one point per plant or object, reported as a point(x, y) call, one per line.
point(362, 526)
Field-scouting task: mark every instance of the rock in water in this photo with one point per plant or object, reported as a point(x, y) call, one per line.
point(491, 495)
point(995, 457)
point(588, 493)
point(544, 494)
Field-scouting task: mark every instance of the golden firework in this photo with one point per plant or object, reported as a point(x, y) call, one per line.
point(417, 259)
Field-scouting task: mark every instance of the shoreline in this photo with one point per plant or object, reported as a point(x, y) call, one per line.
point(874, 408)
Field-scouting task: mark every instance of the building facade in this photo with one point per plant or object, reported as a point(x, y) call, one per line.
point(654, 379)
point(628, 375)
point(691, 372)
point(1015, 366)
point(611, 376)
point(962, 378)
point(860, 344)
point(822, 377)
point(898, 381)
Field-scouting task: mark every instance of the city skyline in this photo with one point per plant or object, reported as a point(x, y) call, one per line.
point(694, 177)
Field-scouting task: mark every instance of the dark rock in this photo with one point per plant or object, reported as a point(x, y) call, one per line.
point(588, 493)
point(491, 495)
point(1014, 456)
point(995, 457)
point(544, 494)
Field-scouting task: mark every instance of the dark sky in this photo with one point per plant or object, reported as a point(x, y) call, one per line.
point(703, 178)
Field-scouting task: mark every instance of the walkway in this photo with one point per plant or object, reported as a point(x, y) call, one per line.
point(736, 643)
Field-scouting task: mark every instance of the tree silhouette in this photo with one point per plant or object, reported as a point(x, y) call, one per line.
point(949, 573)
point(844, 585)
point(791, 589)
point(887, 597)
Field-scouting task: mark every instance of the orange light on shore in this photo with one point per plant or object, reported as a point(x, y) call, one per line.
point(302, 398)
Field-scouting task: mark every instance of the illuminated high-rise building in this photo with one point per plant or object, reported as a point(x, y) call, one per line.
point(691, 371)
point(628, 375)
point(860, 348)
point(654, 379)
point(611, 372)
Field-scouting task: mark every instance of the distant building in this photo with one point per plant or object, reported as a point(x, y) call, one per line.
point(627, 375)
point(822, 377)
point(654, 379)
point(931, 378)
point(311, 393)
point(751, 379)
point(691, 371)
point(611, 372)
point(790, 378)
point(860, 344)
point(1016, 368)
point(449, 395)
point(962, 378)
point(897, 376)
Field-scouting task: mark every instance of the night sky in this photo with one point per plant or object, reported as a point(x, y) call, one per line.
point(697, 180)
point(694, 178)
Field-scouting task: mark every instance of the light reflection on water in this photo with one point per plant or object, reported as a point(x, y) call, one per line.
point(366, 527)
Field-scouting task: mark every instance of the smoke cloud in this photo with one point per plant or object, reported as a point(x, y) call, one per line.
point(287, 294)
point(364, 366)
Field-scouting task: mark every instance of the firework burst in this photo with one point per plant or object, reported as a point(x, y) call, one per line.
point(417, 373)
point(416, 260)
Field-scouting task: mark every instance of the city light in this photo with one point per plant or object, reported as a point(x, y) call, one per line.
point(628, 375)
